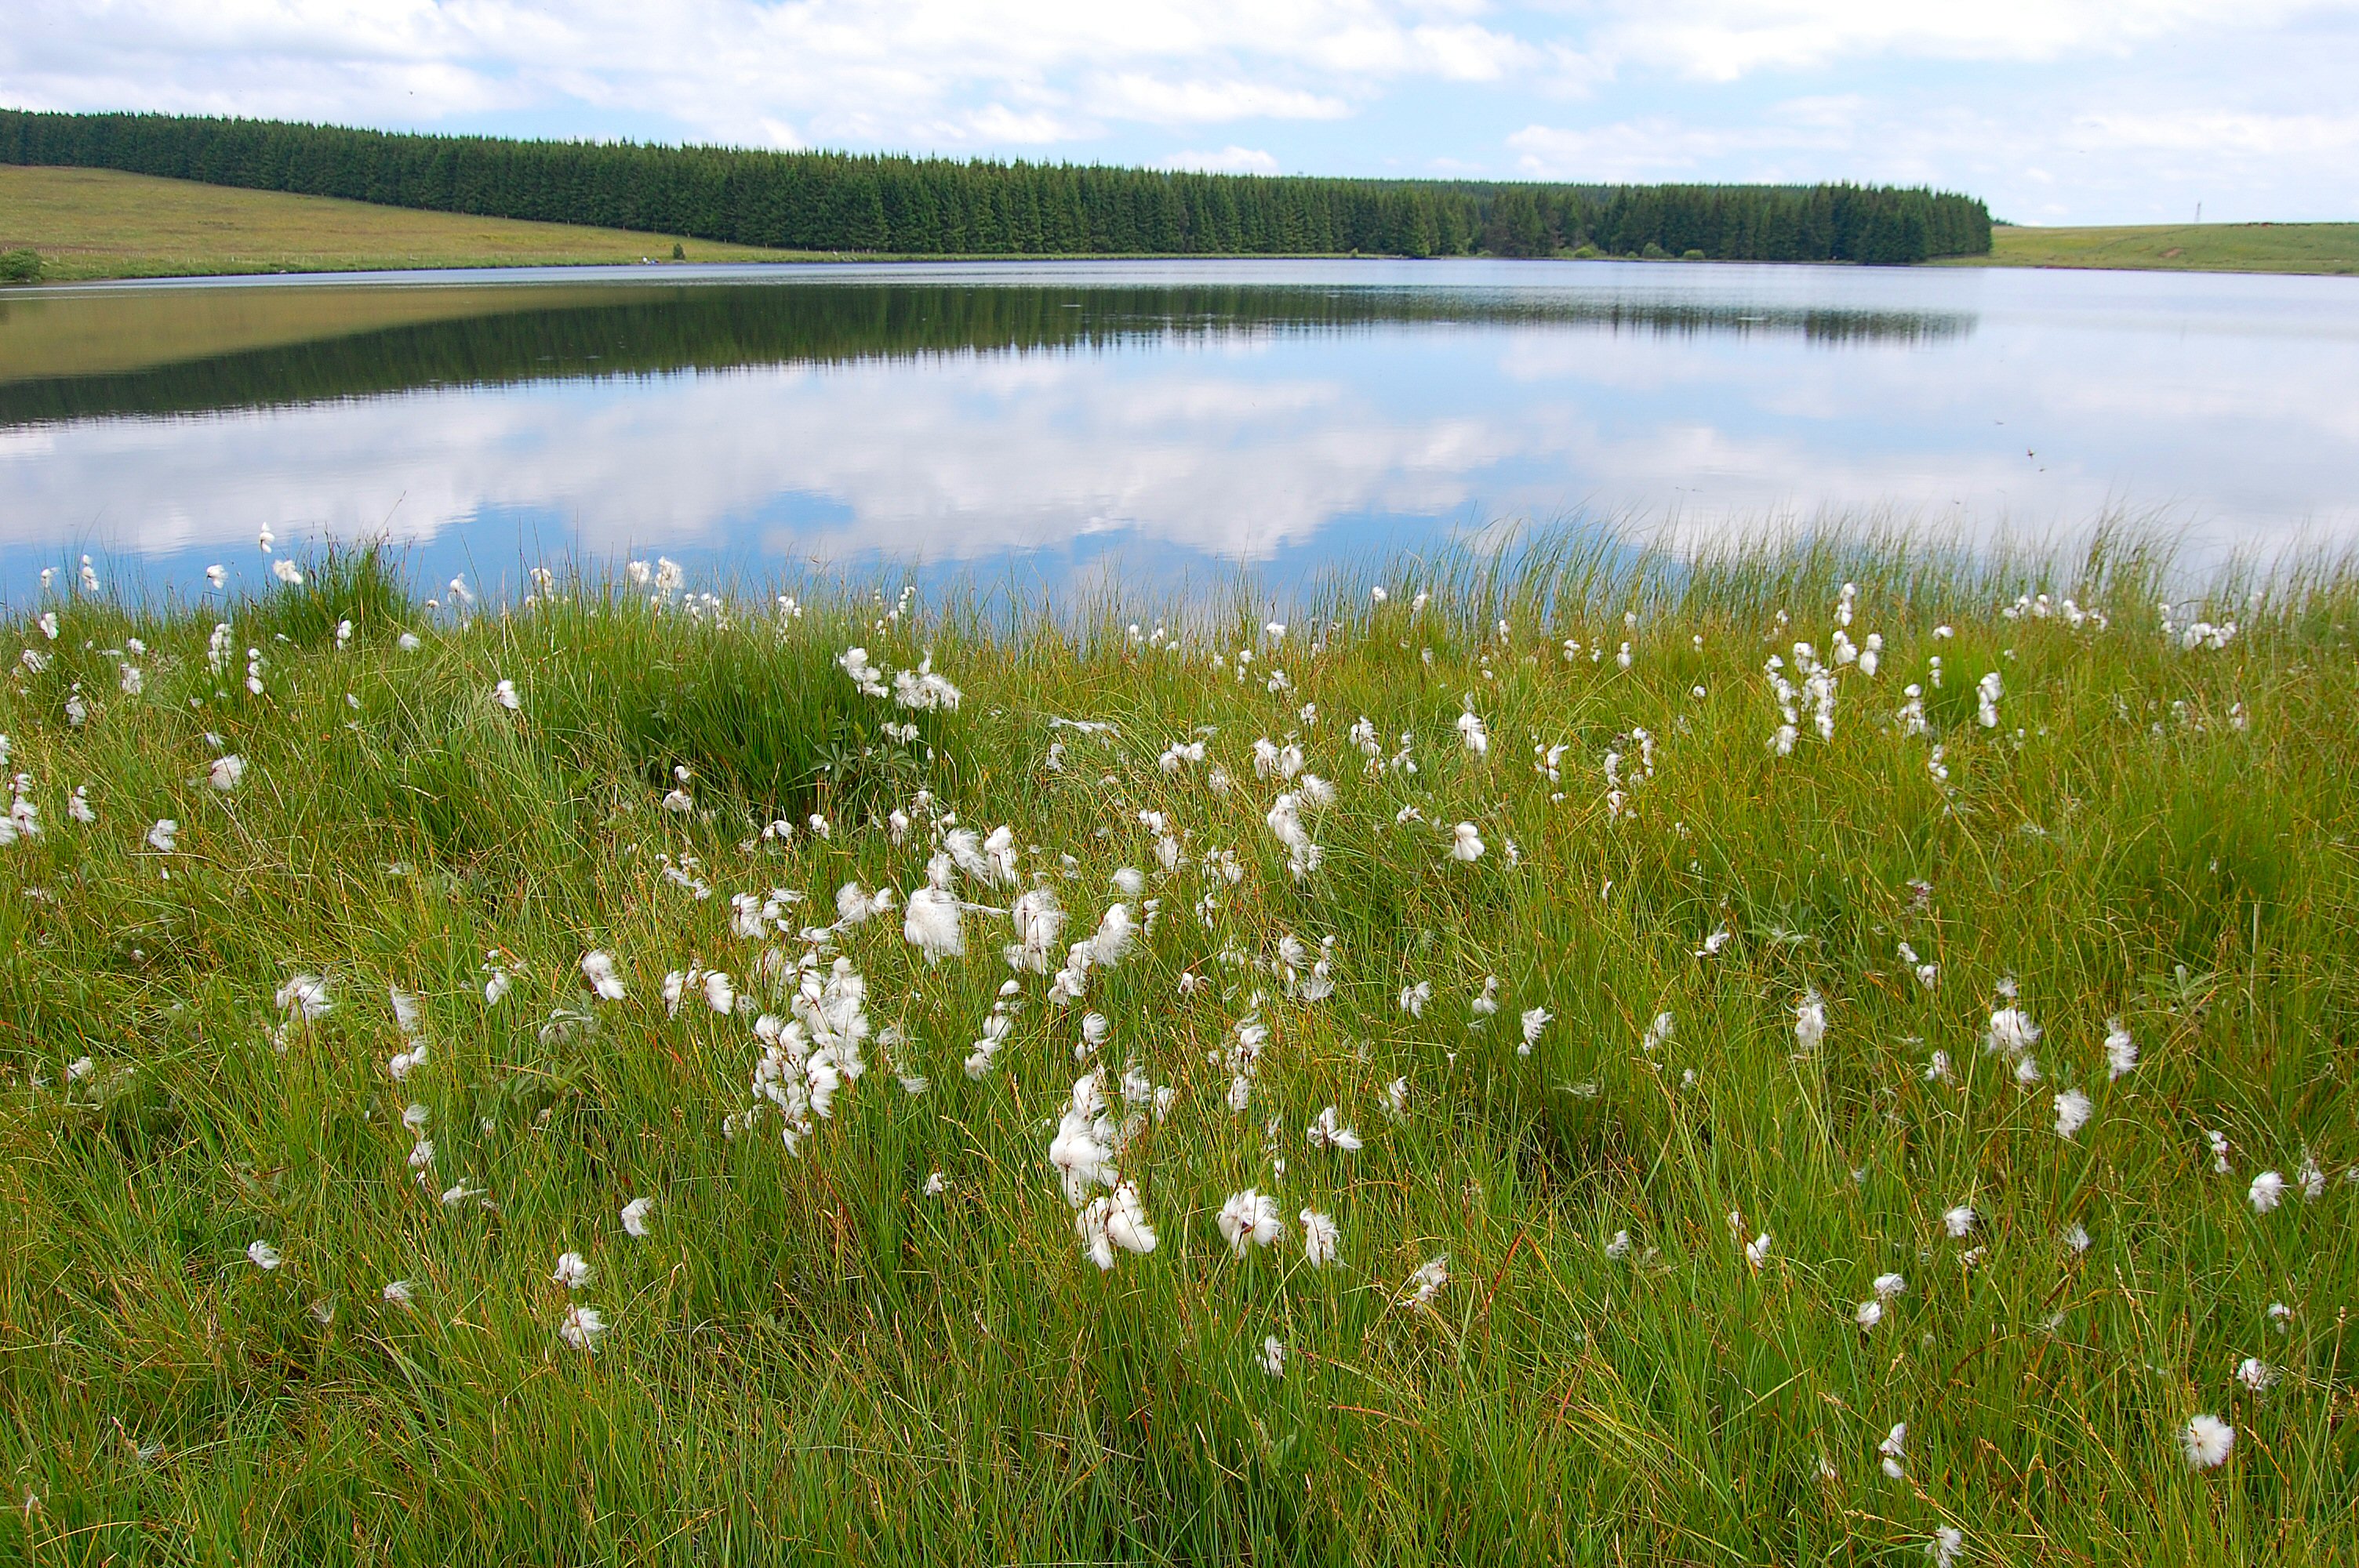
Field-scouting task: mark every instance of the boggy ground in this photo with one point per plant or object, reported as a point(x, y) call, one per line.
point(1576, 1074)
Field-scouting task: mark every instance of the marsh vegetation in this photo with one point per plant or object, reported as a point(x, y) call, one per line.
point(1830, 1054)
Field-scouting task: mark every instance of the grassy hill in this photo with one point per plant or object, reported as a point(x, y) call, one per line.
point(95, 223)
point(2180, 247)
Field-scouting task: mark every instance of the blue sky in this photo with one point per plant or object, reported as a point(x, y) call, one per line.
point(2056, 111)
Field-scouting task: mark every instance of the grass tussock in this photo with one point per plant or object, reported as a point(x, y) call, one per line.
point(305, 1098)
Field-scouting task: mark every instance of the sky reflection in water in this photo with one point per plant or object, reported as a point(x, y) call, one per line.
point(1054, 424)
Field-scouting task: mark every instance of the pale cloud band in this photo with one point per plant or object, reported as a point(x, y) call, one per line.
point(2054, 109)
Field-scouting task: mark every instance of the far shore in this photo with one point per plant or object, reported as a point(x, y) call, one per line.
point(92, 225)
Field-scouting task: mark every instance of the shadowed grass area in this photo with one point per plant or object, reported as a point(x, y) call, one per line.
point(1543, 1335)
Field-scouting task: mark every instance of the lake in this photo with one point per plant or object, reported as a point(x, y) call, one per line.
point(1070, 425)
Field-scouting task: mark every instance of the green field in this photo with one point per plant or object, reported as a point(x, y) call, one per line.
point(2178, 247)
point(1799, 1111)
point(95, 223)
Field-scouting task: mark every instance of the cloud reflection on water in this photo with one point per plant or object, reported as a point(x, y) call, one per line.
point(1282, 446)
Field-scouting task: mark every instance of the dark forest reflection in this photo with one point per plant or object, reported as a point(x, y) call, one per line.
point(502, 335)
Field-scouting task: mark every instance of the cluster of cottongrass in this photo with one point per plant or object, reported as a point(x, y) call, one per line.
point(1921, 1119)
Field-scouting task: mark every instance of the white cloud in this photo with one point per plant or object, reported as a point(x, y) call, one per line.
point(1135, 96)
point(1720, 40)
point(2224, 132)
point(1661, 147)
point(2136, 108)
point(1228, 160)
point(882, 71)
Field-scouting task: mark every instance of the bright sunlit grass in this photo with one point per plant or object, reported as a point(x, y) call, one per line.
point(98, 223)
point(1827, 1055)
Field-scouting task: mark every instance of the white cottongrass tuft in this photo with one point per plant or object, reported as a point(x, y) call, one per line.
point(2011, 1031)
point(2206, 1441)
point(262, 1255)
point(598, 968)
point(572, 1271)
point(635, 1214)
point(2072, 1112)
point(1320, 1239)
point(1273, 1356)
point(1471, 731)
point(582, 1327)
point(1948, 1547)
point(1112, 943)
point(1038, 923)
point(2266, 1192)
point(1958, 1221)
point(1325, 1132)
point(2121, 1051)
point(1465, 843)
point(1116, 1220)
point(1810, 1023)
point(1427, 1282)
point(1249, 1219)
point(1082, 1149)
point(2255, 1374)
point(226, 772)
point(305, 995)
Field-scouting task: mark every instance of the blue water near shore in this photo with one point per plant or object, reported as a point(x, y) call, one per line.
point(1063, 429)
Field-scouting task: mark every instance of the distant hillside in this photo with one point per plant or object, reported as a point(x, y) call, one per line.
point(2184, 247)
point(834, 201)
point(91, 223)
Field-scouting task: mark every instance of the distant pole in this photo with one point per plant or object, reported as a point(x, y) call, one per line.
point(2199, 211)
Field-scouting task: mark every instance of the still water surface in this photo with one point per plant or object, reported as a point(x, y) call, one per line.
point(1068, 424)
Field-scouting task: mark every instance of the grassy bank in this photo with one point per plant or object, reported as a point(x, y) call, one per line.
point(2180, 247)
point(1829, 1124)
point(96, 223)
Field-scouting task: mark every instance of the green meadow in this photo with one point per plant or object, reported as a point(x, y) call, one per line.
point(1831, 1054)
point(2180, 247)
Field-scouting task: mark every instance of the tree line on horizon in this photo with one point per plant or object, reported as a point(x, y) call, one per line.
point(893, 204)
